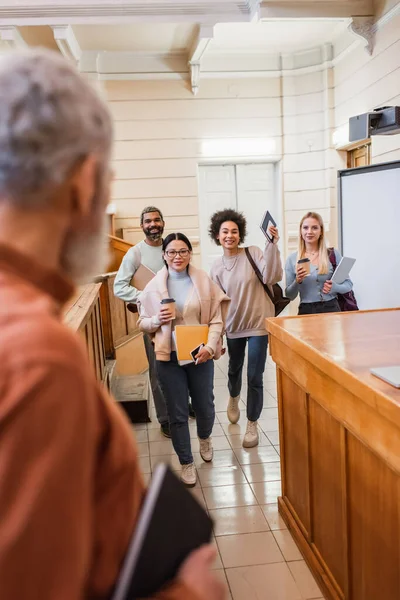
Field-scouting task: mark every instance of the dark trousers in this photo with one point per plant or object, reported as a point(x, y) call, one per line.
point(159, 400)
point(316, 308)
point(177, 382)
point(257, 357)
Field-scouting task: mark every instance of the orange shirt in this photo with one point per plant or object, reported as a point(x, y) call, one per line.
point(70, 485)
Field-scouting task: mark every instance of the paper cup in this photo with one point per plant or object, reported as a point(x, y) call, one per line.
point(170, 303)
point(304, 263)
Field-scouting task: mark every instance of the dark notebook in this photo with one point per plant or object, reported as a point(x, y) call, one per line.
point(266, 222)
point(171, 524)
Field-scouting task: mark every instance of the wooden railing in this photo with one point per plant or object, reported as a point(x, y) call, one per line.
point(119, 324)
point(83, 315)
point(118, 248)
point(108, 328)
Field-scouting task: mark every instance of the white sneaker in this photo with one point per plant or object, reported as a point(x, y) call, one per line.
point(251, 436)
point(188, 475)
point(233, 411)
point(206, 449)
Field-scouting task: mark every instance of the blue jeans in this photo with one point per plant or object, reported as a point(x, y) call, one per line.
point(177, 382)
point(257, 356)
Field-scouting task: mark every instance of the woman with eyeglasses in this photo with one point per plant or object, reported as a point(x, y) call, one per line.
point(318, 293)
point(198, 301)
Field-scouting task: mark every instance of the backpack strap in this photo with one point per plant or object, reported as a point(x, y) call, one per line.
point(257, 272)
point(332, 257)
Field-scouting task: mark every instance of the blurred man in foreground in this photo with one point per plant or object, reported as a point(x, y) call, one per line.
point(70, 486)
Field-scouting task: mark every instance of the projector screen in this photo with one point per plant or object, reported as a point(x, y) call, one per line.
point(369, 230)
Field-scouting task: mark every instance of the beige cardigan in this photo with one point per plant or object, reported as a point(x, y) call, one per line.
point(213, 309)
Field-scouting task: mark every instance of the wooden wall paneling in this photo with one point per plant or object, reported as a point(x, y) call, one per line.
point(295, 440)
point(221, 108)
point(327, 463)
point(374, 524)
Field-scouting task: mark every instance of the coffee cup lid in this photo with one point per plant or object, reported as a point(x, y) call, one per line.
point(167, 300)
point(303, 260)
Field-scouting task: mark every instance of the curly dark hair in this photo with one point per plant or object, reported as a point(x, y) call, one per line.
point(222, 216)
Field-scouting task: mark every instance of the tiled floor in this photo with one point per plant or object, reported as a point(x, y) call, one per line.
point(256, 553)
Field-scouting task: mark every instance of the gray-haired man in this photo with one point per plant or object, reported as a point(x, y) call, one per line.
point(148, 252)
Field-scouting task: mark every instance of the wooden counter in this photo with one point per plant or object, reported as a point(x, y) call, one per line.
point(340, 448)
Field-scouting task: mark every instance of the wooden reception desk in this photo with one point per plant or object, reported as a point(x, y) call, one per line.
point(340, 448)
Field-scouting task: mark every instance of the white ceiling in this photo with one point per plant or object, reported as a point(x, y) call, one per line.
point(136, 37)
point(281, 36)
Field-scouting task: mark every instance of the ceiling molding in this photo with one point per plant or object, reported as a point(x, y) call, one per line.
point(11, 36)
point(125, 66)
point(67, 43)
point(289, 9)
point(387, 17)
point(72, 12)
point(364, 27)
point(197, 51)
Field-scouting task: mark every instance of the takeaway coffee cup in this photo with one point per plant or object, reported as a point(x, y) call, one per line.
point(304, 263)
point(169, 303)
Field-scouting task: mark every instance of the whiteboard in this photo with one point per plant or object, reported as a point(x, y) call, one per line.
point(369, 220)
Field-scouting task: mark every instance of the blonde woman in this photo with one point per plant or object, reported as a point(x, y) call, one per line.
point(318, 294)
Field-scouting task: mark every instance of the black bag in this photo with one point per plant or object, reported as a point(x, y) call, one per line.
point(277, 298)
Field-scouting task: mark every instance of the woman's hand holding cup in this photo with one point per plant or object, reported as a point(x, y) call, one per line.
point(167, 311)
point(302, 269)
point(301, 274)
point(165, 315)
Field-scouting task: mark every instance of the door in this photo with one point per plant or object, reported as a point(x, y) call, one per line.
point(248, 188)
point(217, 191)
point(256, 195)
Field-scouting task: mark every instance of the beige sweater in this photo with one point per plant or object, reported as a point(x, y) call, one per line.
point(250, 304)
point(206, 305)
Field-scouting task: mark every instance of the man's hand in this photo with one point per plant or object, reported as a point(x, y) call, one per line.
point(196, 573)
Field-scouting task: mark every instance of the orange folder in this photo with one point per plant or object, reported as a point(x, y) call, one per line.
point(188, 337)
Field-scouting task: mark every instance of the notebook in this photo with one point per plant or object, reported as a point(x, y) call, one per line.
point(188, 337)
point(171, 524)
point(142, 277)
point(266, 222)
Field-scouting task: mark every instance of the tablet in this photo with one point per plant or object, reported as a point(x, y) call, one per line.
point(389, 374)
point(343, 269)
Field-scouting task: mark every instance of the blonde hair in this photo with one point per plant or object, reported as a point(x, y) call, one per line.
point(323, 260)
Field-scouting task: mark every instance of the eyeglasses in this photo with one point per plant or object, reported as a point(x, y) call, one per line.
point(182, 253)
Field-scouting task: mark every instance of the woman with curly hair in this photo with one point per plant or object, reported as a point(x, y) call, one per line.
point(250, 305)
